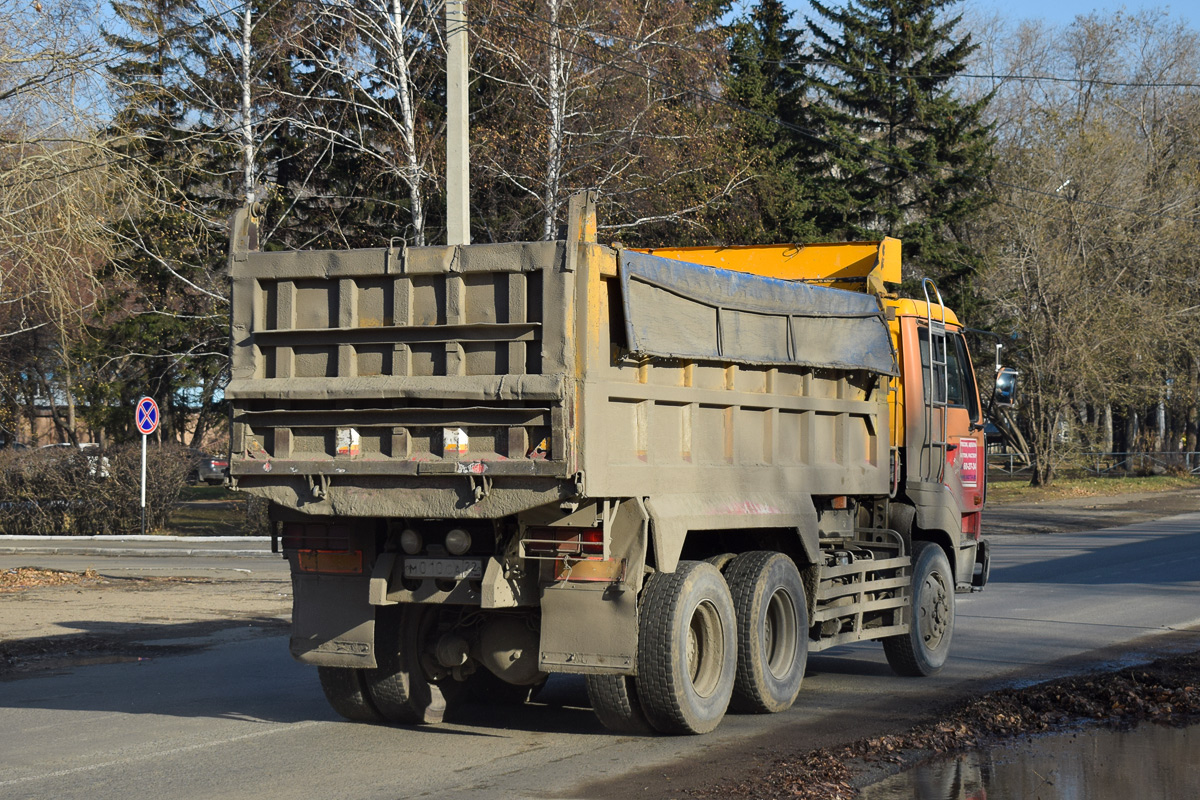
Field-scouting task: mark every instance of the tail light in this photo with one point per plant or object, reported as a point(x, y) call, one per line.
point(322, 548)
point(557, 543)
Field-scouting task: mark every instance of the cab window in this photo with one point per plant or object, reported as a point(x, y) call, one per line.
point(958, 379)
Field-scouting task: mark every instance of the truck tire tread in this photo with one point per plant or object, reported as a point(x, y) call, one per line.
point(398, 687)
point(908, 654)
point(616, 704)
point(346, 691)
point(665, 687)
point(755, 579)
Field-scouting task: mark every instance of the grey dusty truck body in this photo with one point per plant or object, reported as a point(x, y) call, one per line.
point(502, 461)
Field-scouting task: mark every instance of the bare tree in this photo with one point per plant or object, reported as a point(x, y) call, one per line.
point(375, 65)
point(580, 94)
point(1099, 211)
point(58, 188)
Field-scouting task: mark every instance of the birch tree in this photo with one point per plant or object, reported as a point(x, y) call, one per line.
point(373, 70)
point(576, 94)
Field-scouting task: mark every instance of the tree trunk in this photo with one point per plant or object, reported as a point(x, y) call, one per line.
point(1191, 442)
point(1160, 419)
point(408, 123)
point(1106, 428)
point(247, 121)
point(555, 98)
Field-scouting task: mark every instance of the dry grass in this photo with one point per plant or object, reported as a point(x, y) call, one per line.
point(1021, 492)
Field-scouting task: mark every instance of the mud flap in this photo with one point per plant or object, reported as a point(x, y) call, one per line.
point(983, 560)
point(588, 627)
point(333, 624)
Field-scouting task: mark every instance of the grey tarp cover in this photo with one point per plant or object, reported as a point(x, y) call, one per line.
point(675, 309)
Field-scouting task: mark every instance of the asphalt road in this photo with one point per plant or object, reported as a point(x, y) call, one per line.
point(241, 719)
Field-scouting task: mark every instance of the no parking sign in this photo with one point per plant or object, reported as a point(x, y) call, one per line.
point(146, 419)
point(147, 416)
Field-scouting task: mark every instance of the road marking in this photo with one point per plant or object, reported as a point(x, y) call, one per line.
point(62, 773)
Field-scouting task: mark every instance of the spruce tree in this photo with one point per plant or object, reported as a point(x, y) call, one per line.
point(903, 155)
point(162, 329)
point(767, 80)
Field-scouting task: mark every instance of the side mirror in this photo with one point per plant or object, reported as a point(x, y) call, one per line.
point(1005, 393)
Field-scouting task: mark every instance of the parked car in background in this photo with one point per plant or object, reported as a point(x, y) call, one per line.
point(209, 469)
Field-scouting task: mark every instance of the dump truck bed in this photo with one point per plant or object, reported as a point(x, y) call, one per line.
point(484, 380)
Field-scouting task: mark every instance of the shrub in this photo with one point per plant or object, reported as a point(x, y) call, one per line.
point(68, 491)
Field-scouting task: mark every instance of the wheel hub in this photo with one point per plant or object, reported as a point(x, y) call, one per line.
point(934, 610)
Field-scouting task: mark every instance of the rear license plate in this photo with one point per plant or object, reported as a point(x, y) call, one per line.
point(452, 568)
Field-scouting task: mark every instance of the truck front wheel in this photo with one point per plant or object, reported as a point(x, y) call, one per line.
point(687, 649)
point(772, 622)
point(922, 651)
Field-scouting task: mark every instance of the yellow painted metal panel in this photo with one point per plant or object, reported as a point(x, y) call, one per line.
point(906, 307)
point(853, 261)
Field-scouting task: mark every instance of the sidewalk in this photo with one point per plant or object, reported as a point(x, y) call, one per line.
point(138, 546)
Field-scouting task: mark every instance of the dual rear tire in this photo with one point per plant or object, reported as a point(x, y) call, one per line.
point(707, 642)
point(397, 690)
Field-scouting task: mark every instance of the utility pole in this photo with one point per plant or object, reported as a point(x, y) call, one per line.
point(458, 156)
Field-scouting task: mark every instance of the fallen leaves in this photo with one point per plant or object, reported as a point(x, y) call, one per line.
point(1164, 692)
point(18, 579)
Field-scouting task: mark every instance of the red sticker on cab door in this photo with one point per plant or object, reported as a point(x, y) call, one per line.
point(970, 462)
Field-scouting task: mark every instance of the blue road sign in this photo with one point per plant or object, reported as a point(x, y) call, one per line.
point(147, 415)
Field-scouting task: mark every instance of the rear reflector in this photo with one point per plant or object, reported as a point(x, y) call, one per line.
point(337, 562)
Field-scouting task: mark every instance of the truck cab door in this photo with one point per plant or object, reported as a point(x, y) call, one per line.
point(951, 454)
point(965, 436)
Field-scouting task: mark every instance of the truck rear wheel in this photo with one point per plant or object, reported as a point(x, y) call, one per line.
point(922, 651)
point(772, 625)
point(687, 649)
point(615, 701)
point(346, 691)
point(398, 687)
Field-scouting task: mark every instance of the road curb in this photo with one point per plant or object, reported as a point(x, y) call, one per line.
point(132, 552)
point(133, 537)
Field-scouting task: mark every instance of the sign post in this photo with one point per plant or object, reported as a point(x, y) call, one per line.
point(147, 422)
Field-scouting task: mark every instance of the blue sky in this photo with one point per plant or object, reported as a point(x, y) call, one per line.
point(1060, 11)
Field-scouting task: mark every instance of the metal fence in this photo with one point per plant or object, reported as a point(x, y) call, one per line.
point(1102, 463)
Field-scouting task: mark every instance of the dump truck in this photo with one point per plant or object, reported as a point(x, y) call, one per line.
point(673, 471)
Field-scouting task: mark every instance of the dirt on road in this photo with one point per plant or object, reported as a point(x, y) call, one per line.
point(1165, 692)
point(53, 618)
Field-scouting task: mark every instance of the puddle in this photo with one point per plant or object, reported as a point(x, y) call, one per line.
point(1147, 763)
